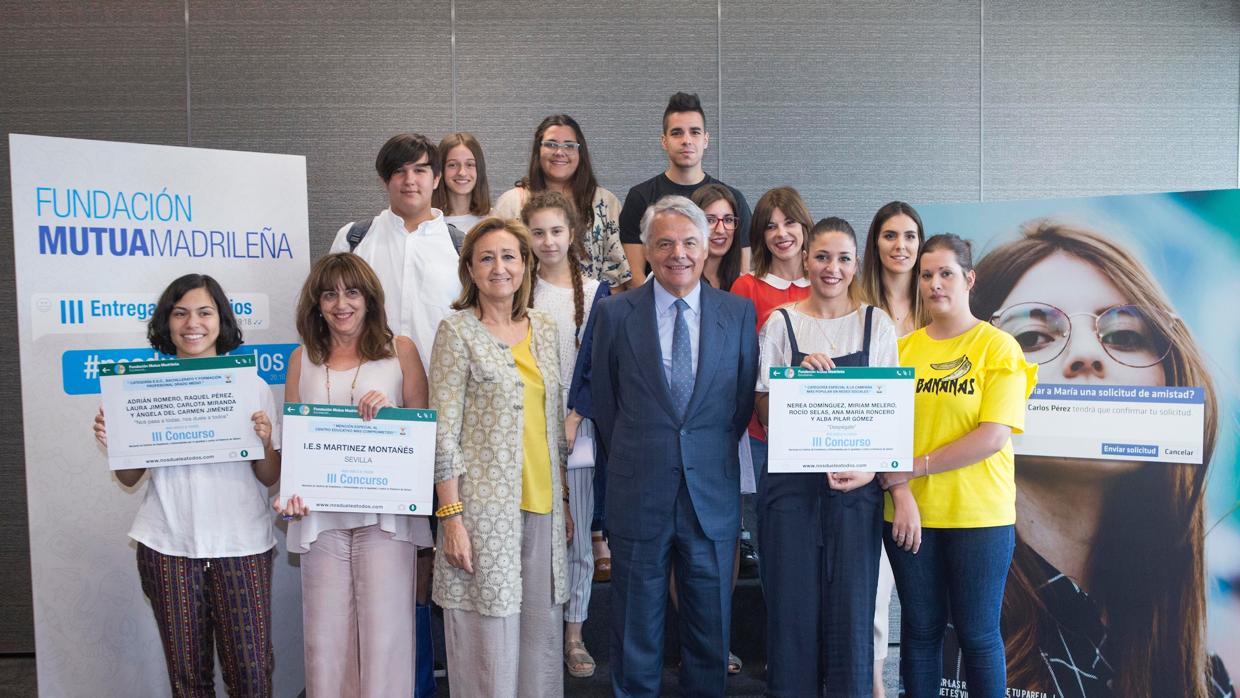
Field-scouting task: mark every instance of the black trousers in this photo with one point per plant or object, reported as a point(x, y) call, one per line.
point(819, 565)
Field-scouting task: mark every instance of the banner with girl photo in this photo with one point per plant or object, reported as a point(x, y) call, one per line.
point(1126, 576)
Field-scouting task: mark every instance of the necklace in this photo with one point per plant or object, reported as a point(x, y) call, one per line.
point(328, 370)
point(830, 338)
point(818, 323)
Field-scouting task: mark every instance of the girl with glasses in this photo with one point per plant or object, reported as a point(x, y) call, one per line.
point(560, 161)
point(1109, 554)
point(952, 550)
point(723, 265)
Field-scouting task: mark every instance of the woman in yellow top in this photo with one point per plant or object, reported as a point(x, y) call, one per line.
point(971, 387)
point(500, 460)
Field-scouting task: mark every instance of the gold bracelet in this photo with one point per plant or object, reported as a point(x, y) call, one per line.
point(448, 510)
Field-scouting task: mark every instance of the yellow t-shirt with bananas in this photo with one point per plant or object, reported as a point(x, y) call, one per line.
point(978, 376)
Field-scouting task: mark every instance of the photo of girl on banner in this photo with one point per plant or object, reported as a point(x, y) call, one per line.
point(1108, 593)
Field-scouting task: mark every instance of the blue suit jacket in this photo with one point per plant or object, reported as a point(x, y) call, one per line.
point(649, 447)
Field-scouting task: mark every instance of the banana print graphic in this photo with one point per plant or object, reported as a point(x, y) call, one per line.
point(958, 367)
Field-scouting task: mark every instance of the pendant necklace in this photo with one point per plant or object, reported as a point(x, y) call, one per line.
point(351, 387)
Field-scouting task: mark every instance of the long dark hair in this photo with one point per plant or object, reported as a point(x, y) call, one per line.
point(1147, 564)
point(730, 263)
point(584, 182)
point(873, 288)
point(158, 332)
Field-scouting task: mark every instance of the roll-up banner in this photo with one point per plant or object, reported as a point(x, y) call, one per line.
point(1126, 577)
point(99, 230)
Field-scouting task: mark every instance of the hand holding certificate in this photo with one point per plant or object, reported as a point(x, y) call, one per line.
point(845, 419)
point(336, 461)
point(181, 411)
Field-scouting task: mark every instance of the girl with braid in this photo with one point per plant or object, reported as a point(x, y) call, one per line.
point(561, 289)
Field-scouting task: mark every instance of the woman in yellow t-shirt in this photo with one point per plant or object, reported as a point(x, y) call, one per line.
point(972, 381)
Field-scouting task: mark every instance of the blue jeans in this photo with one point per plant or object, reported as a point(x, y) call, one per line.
point(963, 569)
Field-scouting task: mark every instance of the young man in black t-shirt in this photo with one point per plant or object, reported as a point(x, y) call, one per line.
point(685, 140)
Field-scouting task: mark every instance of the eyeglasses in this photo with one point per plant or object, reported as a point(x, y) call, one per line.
point(331, 295)
point(1130, 334)
point(568, 146)
point(729, 222)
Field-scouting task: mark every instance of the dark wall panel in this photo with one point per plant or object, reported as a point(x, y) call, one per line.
point(854, 103)
point(107, 71)
point(331, 81)
point(610, 65)
point(1113, 97)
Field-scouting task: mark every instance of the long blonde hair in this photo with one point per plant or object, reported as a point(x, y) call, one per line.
point(1147, 564)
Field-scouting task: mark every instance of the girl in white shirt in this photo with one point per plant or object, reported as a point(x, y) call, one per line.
point(562, 289)
point(204, 535)
point(821, 534)
point(463, 193)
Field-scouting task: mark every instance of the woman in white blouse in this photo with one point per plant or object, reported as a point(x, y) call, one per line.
point(821, 534)
point(204, 535)
point(357, 569)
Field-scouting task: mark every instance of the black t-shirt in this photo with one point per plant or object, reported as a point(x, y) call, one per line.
point(641, 196)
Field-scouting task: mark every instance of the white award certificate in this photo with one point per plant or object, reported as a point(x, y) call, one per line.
point(857, 419)
point(335, 461)
point(180, 411)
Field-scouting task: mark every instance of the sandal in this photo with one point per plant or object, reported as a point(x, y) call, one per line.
point(602, 569)
point(578, 661)
point(734, 664)
point(602, 565)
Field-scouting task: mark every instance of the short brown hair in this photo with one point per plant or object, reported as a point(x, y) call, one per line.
point(469, 290)
point(350, 271)
point(785, 199)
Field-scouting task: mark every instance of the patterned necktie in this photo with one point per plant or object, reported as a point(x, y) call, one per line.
point(682, 359)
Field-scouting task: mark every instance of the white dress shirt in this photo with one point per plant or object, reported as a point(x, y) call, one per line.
point(209, 510)
point(665, 312)
point(417, 270)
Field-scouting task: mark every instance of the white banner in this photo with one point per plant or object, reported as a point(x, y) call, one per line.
point(99, 230)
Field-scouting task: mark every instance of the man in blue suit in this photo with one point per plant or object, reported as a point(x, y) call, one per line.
point(674, 365)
